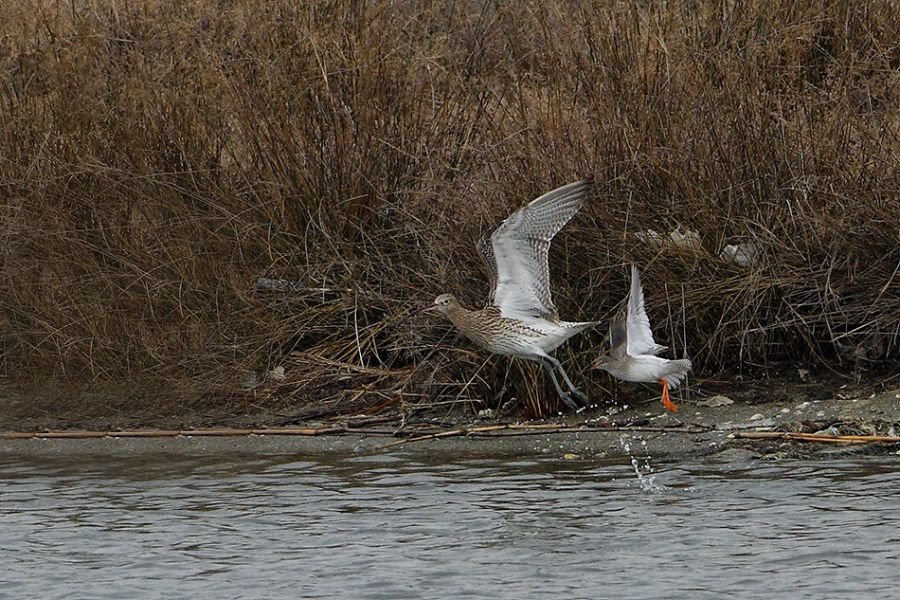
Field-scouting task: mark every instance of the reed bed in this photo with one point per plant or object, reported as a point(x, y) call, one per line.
point(158, 158)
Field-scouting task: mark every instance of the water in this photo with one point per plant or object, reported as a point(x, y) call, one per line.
point(162, 526)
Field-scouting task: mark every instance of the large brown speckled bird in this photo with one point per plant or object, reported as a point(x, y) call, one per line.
point(521, 319)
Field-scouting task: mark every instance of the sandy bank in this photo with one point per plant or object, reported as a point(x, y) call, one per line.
point(701, 428)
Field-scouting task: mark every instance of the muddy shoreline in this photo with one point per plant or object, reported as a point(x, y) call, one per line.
point(706, 426)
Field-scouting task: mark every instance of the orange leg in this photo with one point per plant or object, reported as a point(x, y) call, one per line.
point(666, 401)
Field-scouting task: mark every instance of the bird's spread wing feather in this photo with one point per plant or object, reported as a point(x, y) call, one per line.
point(638, 333)
point(618, 337)
point(521, 247)
point(486, 250)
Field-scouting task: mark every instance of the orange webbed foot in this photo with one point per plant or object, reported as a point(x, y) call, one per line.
point(666, 400)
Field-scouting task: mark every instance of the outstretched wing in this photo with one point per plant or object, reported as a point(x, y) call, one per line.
point(521, 247)
point(637, 325)
point(486, 250)
point(618, 336)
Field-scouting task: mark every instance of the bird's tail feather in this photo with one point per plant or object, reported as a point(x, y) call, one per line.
point(567, 330)
point(678, 370)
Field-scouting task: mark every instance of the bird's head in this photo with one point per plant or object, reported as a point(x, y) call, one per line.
point(442, 304)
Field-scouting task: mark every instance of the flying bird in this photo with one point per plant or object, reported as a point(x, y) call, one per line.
point(521, 319)
point(633, 355)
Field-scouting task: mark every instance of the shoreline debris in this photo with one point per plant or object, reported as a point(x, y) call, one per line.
point(689, 240)
point(742, 254)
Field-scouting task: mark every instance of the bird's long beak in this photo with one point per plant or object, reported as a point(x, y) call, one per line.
point(427, 308)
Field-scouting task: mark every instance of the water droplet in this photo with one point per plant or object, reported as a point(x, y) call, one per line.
point(644, 471)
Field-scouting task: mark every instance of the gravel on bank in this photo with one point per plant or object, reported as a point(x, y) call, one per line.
point(719, 416)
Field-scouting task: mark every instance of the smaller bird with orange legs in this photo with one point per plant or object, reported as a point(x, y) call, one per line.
point(633, 355)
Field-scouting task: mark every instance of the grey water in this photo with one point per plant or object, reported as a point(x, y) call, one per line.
point(416, 525)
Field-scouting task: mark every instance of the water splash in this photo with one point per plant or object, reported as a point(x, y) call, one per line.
point(643, 469)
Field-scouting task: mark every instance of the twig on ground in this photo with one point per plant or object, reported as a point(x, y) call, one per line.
point(531, 429)
point(815, 437)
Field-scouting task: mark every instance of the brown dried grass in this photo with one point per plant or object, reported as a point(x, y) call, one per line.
point(156, 158)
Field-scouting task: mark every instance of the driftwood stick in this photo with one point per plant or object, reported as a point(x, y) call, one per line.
point(815, 437)
point(16, 435)
point(218, 432)
point(75, 434)
point(305, 431)
point(151, 433)
point(509, 429)
point(145, 433)
point(522, 431)
point(444, 434)
point(515, 429)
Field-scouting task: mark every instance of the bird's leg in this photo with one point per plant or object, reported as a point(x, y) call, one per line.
point(574, 391)
point(563, 396)
point(498, 397)
point(666, 401)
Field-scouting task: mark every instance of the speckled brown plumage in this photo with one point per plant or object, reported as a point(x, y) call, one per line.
point(521, 319)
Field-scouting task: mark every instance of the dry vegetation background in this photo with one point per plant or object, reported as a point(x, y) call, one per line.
point(157, 158)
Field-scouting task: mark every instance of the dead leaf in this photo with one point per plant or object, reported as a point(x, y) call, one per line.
point(715, 401)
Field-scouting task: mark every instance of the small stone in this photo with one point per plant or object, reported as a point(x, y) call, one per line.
point(830, 431)
point(757, 417)
point(570, 456)
point(821, 413)
point(785, 411)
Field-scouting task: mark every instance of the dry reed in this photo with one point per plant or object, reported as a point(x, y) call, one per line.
point(158, 158)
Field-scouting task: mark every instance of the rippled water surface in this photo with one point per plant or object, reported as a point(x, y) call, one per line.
point(235, 526)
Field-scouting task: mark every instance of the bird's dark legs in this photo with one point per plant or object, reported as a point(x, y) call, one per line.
point(573, 391)
point(562, 395)
point(550, 364)
point(498, 397)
